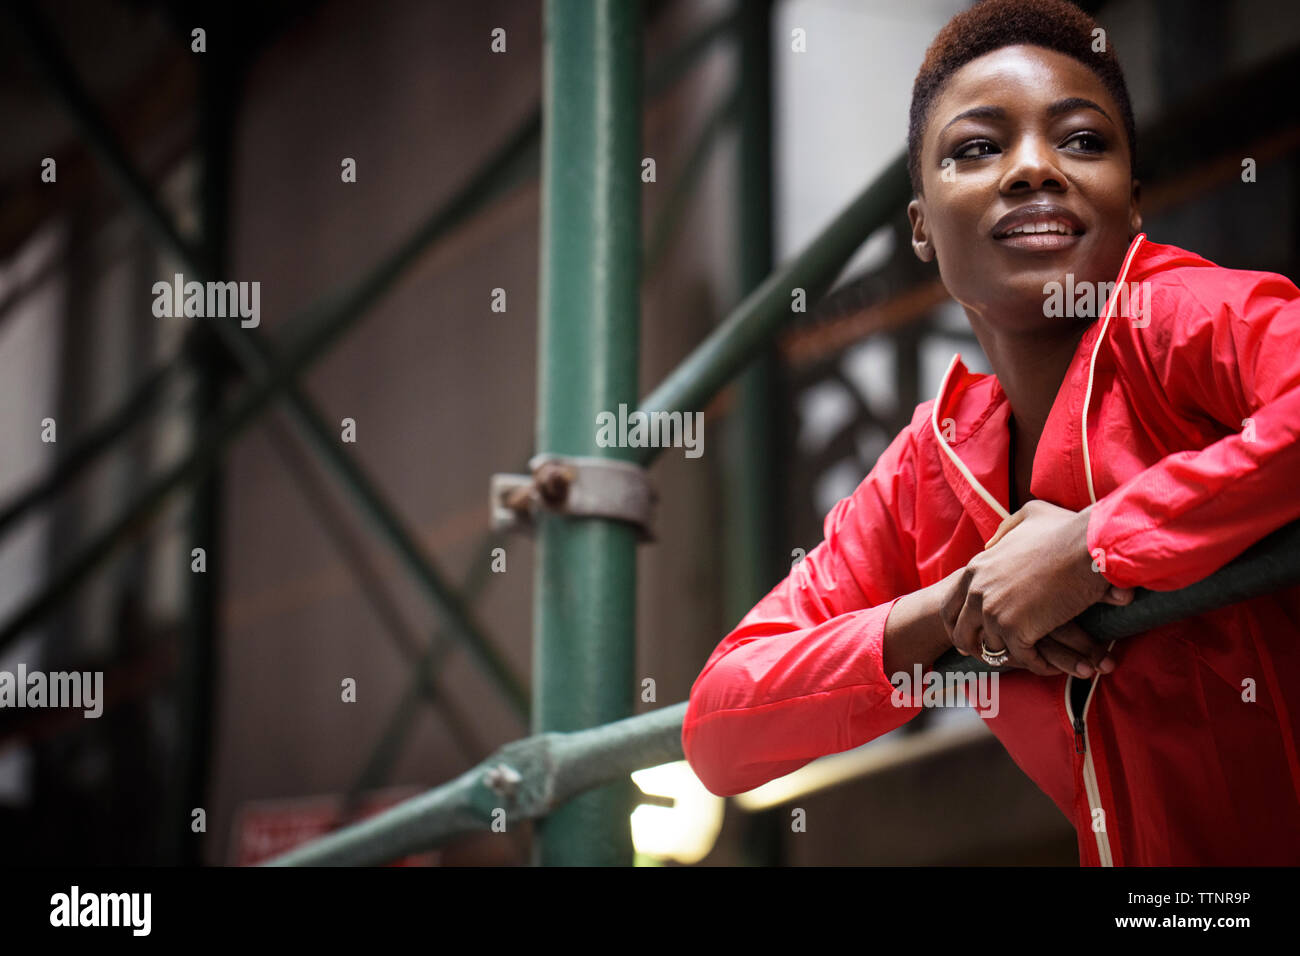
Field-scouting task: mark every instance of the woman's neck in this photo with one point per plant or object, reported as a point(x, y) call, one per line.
point(1030, 368)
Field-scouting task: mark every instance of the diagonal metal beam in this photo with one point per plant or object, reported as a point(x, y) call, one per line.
point(377, 593)
point(683, 187)
point(424, 683)
point(90, 445)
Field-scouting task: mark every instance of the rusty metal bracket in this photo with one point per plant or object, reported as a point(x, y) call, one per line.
point(577, 487)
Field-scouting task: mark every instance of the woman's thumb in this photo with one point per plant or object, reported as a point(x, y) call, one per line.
point(1120, 596)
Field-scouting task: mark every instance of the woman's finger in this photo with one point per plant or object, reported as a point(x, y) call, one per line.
point(1065, 659)
point(1027, 655)
point(965, 633)
point(1074, 637)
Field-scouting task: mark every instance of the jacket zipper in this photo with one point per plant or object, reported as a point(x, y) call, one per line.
point(1081, 747)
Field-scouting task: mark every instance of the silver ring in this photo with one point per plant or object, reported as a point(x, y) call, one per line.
point(993, 659)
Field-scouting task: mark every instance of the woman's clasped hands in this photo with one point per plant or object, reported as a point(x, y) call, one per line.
point(1015, 602)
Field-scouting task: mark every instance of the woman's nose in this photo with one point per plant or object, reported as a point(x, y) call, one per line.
point(1032, 167)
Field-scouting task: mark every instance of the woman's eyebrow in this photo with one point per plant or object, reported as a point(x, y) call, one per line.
point(978, 112)
point(1072, 103)
point(1067, 105)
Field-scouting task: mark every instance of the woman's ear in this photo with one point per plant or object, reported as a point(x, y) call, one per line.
point(1135, 211)
point(921, 244)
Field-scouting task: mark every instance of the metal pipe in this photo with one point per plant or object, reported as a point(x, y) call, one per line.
point(525, 780)
point(752, 515)
point(585, 586)
point(90, 445)
point(684, 184)
point(220, 77)
point(423, 684)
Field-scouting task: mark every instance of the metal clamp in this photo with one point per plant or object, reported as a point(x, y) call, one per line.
point(577, 487)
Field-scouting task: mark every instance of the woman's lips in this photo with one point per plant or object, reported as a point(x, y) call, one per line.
point(1040, 241)
point(1039, 227)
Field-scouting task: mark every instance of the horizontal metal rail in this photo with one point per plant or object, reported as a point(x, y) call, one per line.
point(530, 777)
point(524, 780)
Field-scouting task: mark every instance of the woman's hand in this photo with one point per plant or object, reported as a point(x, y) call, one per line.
point(1024, 590)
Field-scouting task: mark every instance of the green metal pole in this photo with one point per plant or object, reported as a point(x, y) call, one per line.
point(754, 559)
point(750, 510)
point(219, 77)
point(585, 593)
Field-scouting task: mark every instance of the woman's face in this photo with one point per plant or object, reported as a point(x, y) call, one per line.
point(1033, 138)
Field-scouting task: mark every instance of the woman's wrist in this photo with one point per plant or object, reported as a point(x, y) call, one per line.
point(1084, 565)
point(915, 632)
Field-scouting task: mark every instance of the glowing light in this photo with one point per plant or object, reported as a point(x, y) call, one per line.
point(685, 831)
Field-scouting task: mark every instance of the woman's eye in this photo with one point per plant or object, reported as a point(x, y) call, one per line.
point(1087, 142)
point(974, 149)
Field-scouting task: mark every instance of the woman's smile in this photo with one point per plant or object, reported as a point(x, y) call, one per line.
point(1039, 227)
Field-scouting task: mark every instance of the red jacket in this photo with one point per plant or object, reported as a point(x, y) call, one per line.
point(1190, 456)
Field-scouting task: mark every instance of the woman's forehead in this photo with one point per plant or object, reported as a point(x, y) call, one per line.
point(1014, 77)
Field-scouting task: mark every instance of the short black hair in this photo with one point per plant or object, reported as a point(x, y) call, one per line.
point(993, 24)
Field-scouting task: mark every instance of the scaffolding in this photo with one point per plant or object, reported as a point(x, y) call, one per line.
point(571, 775)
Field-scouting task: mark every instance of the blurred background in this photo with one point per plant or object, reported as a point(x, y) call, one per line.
point(411, 298)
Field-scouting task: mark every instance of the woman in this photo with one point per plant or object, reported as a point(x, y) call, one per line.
point(1140, 440)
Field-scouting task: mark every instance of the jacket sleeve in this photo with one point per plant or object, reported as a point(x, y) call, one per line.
point(1230, 351)
point(801, 675)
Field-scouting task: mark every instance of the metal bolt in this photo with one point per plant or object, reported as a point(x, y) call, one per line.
point(502, 779)
point(553, 482)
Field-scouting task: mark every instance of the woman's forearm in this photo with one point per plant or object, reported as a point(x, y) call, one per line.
point(915, 632)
